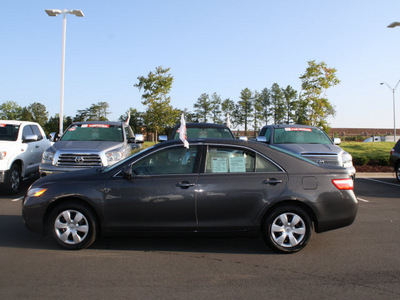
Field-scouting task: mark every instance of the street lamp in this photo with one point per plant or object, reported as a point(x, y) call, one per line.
point(394, 106)
point(64, 12)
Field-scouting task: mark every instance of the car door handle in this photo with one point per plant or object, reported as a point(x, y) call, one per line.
point(273, 181)
point(185, 184)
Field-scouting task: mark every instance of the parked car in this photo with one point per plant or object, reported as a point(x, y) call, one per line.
point(394, 160)
point(21, 147)
point(309, 142)
point(200, 130)
point(89, 144)
point(220, 186)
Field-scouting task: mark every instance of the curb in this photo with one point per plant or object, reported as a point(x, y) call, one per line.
point(375, 175)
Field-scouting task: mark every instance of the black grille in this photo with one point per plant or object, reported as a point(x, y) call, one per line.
point(79, 160)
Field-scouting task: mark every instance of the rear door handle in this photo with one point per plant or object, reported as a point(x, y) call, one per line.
point(185, 184)
point(273, 181)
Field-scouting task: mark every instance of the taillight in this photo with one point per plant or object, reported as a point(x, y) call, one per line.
point(391, 151)
point(343, 184)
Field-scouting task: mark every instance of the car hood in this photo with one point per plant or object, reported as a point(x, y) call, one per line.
point(92, 146)
point(79, 175)
point(311, 148)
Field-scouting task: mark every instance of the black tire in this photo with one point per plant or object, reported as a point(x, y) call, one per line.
point(72, 225)
point(397, 170)
point(287, 229)
point(13, 179)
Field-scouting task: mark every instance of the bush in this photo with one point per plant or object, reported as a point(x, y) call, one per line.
point(360, 160)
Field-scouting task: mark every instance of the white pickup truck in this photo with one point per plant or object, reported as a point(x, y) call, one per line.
point(22, 144)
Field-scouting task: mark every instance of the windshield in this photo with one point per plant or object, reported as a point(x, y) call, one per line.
point(301, 135)
point(9, 132)
point(93, 132)
point(203, 133)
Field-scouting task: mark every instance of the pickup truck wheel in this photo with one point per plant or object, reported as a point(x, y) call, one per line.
point(13, 179)
point(72, 225)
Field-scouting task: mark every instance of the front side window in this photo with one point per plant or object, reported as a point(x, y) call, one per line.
point(174, 160)
point(93, 132)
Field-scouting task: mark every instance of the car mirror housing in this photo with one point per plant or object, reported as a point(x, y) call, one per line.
point(337, 141)
point(261, 139)
point(163, 138)
point(127, 172)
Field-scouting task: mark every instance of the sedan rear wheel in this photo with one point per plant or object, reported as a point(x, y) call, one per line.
point(73, 226)
point(287, 229)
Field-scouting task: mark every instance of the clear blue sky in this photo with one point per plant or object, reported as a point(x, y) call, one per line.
point(220, 46)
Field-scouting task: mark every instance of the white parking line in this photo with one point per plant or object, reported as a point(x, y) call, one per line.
point(363, 200)
point(17, 199)
point(388, 183)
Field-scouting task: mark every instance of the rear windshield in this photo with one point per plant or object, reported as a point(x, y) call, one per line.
point(203, 133)
point(93, 132)
point(9, 132)
point(292, 135)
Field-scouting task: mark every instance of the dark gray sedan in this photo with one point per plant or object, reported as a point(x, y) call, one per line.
point(215, 186)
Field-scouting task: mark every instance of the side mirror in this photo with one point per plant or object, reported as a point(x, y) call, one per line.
point(30, 138)
point(54, 137)
point(261, 139)
point(127, 172)
point(139, 138)
point(337, 141)
point(163, 138)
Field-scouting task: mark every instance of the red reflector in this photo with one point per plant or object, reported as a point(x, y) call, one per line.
point(391, 152)
point(343, 184)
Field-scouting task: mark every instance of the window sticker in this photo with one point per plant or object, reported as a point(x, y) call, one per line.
point(95, 125)
point(72, 128)
point(203, 134)
point(237, 164)
point(298, 129)
point(219, 165)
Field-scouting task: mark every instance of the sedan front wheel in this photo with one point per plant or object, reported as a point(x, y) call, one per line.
point(72, 225)
point(287, 229)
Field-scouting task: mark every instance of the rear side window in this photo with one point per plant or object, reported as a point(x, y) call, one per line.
point(236, 160)
point(9, 132)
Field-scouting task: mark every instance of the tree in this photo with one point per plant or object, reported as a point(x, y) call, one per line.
point(96, 112)
point(203, 107)
point(290, 96)
point(245, 108)
point(156, 86)
point(264, 104)
point(216, 108)
point(136, 120)
point(315, 81)
point(258, 110)
point(10, 110)
point(228, 107)
point(278, 104)
point(36, 112)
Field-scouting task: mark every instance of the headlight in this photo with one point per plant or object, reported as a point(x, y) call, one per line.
point(48, 156)
point(36, 192)
point(3, 154)
point(114, 156)
point(347, 160)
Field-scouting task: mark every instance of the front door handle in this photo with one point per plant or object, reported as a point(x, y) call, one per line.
point(185, 184)
point(273, 181)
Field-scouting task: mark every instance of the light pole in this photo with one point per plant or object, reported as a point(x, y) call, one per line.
point(394, 106)
point(54, 13)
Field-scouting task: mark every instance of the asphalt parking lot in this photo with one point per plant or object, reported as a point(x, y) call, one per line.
point(357, 262)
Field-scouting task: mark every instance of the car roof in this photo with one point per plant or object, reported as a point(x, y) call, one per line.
point(17, 122)
point(204, 125)
point(290, 126)
point(118, 123)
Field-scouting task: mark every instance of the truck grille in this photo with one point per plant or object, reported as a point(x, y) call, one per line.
point(79, 160)
point(329, 159)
